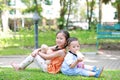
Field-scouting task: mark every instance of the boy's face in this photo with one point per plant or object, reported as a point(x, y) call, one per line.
point(74, 46)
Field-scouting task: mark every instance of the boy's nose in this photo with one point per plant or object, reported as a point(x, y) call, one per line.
point(77, 49)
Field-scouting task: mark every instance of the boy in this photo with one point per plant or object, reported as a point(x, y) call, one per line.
point(71, 61)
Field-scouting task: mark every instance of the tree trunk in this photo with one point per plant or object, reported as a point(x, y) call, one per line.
point(5, 21)
point(69, 5)
point(118, 8)
point(87, 10)
point(55, 23)
point(100, 11)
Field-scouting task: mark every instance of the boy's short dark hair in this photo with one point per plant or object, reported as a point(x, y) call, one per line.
point(71, 39)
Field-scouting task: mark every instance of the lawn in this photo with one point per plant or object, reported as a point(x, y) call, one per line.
point(36, 74)
point(22, 42)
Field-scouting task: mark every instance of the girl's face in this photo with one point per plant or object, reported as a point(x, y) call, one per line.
point(60, 40)
point(74, 46)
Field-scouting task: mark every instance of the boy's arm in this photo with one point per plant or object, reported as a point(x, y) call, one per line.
point(80, 55)
point(75, 63)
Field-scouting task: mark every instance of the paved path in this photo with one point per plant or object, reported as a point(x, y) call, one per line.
point(108, 59)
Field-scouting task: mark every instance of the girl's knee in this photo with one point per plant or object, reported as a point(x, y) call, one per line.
point(33, 54)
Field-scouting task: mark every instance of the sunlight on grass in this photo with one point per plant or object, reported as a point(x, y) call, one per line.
point(88, 50)
point(25, 39)
point(36, 74)
point(15, 51)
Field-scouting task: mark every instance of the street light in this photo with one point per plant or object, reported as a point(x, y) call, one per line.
point(36, 18)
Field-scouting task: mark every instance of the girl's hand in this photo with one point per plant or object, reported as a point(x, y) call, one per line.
point(35, 52)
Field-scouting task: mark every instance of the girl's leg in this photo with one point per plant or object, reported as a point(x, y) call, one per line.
point(41, 63)
point(27, 61)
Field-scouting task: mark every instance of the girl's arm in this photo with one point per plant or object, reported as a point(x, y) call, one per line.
point(53, 54)
point(52, 47)
point(35, 52)
point(75, 63)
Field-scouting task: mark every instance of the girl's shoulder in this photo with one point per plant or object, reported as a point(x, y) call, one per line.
point(52, 47)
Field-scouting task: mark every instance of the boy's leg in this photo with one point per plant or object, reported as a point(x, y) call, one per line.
point(88, 67)
point(91, 68)
point(41, 63)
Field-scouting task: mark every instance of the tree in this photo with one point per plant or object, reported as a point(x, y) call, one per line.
point(4, 15)
point(116, 4)
point(32, 6)
point(61, 20)
point(90, 6)
point(69, 6)
point(66, 8)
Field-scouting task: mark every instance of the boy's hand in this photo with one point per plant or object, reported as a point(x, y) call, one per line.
point(79, 59)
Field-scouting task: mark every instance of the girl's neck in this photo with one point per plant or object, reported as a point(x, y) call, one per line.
point(58, 48)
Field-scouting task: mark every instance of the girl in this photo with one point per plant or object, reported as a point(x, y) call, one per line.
point(55, 54)
point(70, 63)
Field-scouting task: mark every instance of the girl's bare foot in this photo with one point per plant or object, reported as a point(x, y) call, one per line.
point(15, 66)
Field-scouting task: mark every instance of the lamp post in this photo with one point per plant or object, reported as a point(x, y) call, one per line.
point(36, 18)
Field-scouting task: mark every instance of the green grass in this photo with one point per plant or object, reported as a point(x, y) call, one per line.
point(23, 42)
point(15, 51)
point(36, 74)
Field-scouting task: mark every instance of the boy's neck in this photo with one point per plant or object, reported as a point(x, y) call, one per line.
point(73, 53)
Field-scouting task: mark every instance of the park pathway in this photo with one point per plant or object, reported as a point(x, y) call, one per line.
point(108, 58)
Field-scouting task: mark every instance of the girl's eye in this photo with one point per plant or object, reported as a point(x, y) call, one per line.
point(60, 38)
point(73, 46)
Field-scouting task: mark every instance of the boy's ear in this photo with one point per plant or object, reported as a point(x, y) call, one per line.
point(68, 47)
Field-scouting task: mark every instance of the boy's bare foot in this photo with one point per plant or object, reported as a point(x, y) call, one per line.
point(15, 66)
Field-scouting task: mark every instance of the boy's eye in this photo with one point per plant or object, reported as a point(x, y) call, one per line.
point(78, 46)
